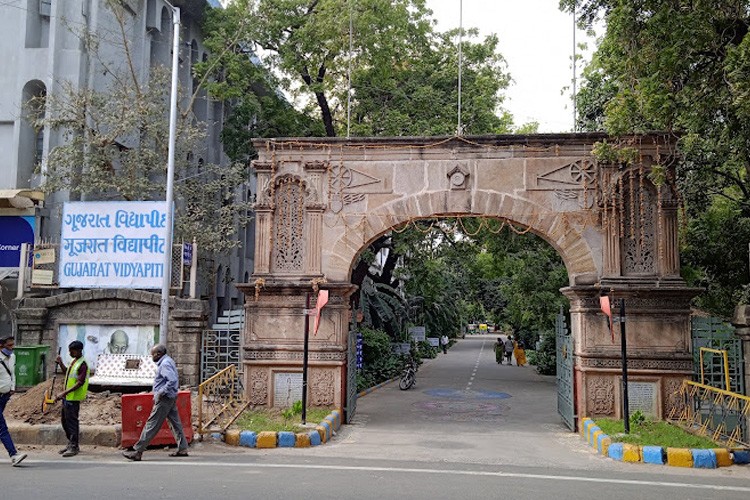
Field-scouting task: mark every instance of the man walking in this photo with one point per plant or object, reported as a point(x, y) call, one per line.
point(76, 389)
point(165, 407)
point(7, 388)
point(444, 343)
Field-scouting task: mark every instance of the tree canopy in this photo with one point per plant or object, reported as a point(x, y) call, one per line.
point(684, 67)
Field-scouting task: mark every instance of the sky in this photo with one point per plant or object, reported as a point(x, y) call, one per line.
point(536, 40)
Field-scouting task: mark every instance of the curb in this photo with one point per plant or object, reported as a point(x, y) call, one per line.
point(53, 434)
point(323, 433)
point(376, 387)
point(676, 457)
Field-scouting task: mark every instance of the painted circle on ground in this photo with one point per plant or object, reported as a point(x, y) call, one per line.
point(459, 394)
point(459, 411)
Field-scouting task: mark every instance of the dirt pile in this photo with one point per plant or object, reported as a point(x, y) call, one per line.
point(101, 408)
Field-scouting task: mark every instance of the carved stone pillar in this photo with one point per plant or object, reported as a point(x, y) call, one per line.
point(659, 357)
point(612, 260)
point(669, 261)
point(313, 241)
point(274, 343)
point(263, 220)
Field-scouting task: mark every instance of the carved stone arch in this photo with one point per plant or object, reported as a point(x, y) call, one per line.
point(575, 252)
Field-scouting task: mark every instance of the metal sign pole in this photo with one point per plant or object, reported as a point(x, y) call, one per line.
point(624, 345)
point(167, 278)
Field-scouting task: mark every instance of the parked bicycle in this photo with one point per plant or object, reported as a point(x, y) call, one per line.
point(408, 375)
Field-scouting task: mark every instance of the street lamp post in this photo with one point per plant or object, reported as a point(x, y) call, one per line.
point(167, 278)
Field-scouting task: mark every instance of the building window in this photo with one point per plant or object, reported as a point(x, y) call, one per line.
point(45, 8)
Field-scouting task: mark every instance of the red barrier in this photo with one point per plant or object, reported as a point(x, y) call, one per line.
point(135, 411)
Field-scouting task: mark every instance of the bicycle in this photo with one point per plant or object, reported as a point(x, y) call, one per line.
point(408, 375)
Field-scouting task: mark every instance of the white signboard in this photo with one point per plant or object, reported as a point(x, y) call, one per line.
point(417, 333)
point(642, 396)
point(113, 244)
point(287, 388)
point(434, 341)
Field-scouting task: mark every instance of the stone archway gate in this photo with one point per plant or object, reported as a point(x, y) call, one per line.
point(611, 216)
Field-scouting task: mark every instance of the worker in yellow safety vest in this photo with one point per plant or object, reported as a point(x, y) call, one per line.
point(76, 388)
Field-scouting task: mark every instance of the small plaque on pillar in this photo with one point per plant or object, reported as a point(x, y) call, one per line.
point(287, 388)
point(643, 396)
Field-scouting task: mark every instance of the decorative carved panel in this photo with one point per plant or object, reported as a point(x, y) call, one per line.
point(672, 398)
point(322, 384)
point(638, 364)
point(639, 252)
point(258, 387)
point(601, 395)
point(288, 227)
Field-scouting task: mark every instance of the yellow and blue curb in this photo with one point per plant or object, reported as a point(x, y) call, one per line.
point(677, 457)
point(323, 433)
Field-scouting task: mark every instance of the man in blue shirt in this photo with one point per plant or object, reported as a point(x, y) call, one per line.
point(165, 407)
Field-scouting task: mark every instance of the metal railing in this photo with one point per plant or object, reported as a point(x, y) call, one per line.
point(221, 401)
point(720, 414)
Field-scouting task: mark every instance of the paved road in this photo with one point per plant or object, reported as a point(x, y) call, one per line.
point(470, 429)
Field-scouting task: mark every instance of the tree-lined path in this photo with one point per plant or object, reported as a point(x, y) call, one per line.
point(466, 408)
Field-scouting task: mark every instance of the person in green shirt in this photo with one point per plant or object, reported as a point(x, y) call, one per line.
point(76, 388)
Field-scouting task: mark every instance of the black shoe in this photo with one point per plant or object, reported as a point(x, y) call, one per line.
point(135, 456)
point(64, 450)
point(70, 452)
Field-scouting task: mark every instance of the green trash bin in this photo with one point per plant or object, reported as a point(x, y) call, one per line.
point(30, 365)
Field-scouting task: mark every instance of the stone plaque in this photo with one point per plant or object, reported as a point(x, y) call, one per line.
point(287, 388)
point(643, 396)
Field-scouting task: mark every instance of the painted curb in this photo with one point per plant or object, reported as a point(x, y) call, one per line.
point(676, 457)
point(323, 433)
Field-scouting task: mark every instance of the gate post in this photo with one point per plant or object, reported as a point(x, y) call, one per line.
point(741, 321)
point(274, 343)
point(659, 349)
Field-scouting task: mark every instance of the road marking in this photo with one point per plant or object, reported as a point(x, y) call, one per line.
point(455, 472)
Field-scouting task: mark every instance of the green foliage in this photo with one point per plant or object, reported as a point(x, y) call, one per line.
point(379, 362)
point(295, 409)
point(383, 307)
point(426, 351)
point(546, 356)
point(637, 418)
point(272, 420)
point(116, 145)
point(647, 432)
point(683, 68)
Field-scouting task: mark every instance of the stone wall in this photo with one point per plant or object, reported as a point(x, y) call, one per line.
point(38, 320)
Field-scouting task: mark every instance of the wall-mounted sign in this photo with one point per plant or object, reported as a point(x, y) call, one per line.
point(14, 230)
point(417, 333)
point(42, 277)
point(117, 244)
point(287, 388)
point(44, 256)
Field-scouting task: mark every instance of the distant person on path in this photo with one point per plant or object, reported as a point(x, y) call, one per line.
point(76, 388)
point(499, 350)
point(444, 343)
point(509, 349)
point(7, 388)
point(165, 389)
point(519, 352)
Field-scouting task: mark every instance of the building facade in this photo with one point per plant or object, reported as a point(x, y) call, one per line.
point(45, 51)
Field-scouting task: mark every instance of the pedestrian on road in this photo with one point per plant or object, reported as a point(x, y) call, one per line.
point(165, 407)
point(444, 343)
point(519, 352)
point(509, 349)
point(76, 388)
point(499, 350)
point(7, 388)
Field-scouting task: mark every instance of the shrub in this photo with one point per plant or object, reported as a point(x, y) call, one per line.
point(546, 357)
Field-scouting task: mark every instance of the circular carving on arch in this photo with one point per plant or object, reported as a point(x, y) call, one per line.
point(582, 171)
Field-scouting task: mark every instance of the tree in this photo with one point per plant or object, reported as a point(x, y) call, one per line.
point(116, 147)
point(684, 68)
point(418, 95)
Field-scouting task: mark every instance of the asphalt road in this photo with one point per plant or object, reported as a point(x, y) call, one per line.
point(470, 429)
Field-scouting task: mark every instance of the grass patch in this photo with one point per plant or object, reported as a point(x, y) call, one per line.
point(272, 419)
point(651, 433)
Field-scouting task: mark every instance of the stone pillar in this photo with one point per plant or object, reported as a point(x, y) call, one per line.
point(669, 257)
point(30, 323)
point(659, 357)
point(274, 341)
point(741, 322)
